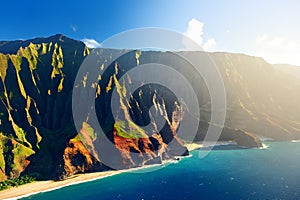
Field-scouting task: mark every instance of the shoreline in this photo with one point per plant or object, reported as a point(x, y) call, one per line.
point(37, 187)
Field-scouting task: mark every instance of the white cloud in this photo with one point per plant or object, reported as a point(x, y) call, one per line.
point(73, 27)
point(91, 43)
point(209, 44)
point(194, 31)
point(277, 49)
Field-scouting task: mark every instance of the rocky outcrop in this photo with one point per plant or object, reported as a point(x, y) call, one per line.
point(77, 159)
point(245, 139)
point(240, 137)
point(146, 149)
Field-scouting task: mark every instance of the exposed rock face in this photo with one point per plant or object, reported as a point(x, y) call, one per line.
point(144, 147)
point(37, 133)
point(77, 159)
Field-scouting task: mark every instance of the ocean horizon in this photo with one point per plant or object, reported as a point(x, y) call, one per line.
point(227, 172)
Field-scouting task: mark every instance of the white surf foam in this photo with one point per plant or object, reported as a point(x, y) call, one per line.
point(264, 146)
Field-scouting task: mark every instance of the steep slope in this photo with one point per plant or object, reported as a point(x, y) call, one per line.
point(289, 69)
point(263, 100)
point(37, 129)
point(37, 79)
point(260, 98)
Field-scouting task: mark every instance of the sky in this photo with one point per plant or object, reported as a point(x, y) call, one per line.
point(264, 28)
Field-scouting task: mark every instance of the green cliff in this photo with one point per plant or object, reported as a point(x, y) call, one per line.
point(37, 133)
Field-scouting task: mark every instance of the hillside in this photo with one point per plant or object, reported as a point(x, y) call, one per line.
point(289, 69)
point(37, 129)
point(37, 132)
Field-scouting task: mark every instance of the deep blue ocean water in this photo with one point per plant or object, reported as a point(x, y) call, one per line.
point(272, 173)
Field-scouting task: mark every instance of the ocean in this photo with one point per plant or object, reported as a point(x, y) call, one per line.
point(226, 172)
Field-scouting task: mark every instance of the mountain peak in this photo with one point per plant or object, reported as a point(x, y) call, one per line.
point(58, 36)
point(11, 47)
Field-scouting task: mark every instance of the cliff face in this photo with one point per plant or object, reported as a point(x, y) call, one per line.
point(77, 159)
point(37, 129)
point(36, 80)
point(261, 99)
point(37, 132)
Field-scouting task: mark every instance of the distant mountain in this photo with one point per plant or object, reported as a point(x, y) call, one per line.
point(12, 47)
point(289, 69)
point(261, 98)
point(37, 133)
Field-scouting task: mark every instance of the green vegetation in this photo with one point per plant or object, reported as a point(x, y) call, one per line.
point(3, 65)
point(31, 54)
point(11, 95)
point(15, 155)
point(76, 139)
point(132, 134)
point(60, 86)
point(21, 152)
point(3, 140)
point(39, 138)
point(137, 56)
point(17, 61)
point(21, 136)
point(22, 89)
point(57, 61)
point(86, 51)
point(44, 49)
point(89, 130)
point(13, 159)
point(16, 182)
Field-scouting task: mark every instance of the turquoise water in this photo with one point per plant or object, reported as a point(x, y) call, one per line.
point(271, 173)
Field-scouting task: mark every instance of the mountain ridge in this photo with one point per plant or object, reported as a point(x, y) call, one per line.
point(37, 80)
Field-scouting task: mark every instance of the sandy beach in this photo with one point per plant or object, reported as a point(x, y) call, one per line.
point(43, 186)
point(193, 146)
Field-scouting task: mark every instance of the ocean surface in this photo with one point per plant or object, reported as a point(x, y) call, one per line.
point(226, 172)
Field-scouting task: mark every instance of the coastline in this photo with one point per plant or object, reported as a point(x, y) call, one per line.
point(49, 185)
point(193, 146)
point(46, 186)
point(36, 187)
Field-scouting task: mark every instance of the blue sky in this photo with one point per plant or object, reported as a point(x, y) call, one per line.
point(266, 28)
